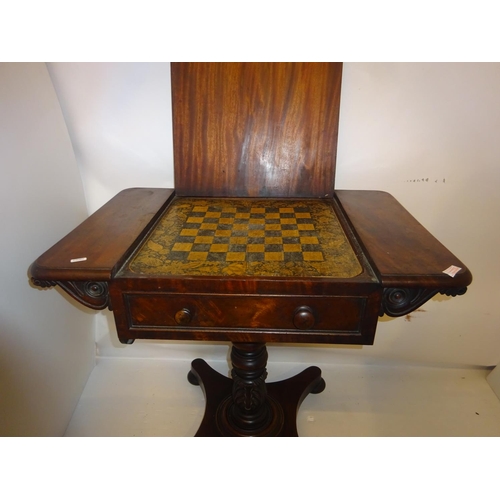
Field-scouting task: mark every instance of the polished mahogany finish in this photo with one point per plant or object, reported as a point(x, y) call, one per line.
point(403, 251)
point(144, 311)
point(261, 130)
point(408, 260)
point(244, 405)
point(103, 240)
point(255, 129)
point(304, 318)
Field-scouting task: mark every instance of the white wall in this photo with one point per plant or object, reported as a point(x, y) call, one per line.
point(46, 343)
point(400, 123)
point(118, 117)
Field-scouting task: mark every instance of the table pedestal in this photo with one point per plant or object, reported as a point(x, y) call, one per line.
point(245, 405)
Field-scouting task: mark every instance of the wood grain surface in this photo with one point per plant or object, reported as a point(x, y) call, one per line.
point(255, 129)
point(400, 248)
point(103, 239)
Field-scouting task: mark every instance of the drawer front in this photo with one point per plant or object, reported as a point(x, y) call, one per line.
point(291, 313)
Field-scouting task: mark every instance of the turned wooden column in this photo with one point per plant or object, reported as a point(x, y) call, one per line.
point(249, 410)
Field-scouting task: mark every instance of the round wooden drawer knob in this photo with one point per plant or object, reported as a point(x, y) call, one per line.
point(303, 318)
point(183, 317)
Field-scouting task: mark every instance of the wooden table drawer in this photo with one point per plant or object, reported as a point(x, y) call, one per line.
point(299, 313)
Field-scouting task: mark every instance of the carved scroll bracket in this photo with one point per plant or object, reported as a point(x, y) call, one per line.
point(401, 301)
point(93, 294)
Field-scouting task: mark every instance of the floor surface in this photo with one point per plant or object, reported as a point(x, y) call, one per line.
point(144, 397)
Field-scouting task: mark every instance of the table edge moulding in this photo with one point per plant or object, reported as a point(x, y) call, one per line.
point(254, 244)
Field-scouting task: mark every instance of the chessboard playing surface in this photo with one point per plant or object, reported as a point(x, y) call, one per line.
point(247, 237)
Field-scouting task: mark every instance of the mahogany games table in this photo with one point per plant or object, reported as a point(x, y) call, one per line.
point(254, 245)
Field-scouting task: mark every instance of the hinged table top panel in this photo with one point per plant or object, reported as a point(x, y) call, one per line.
point(255, 129)
point(247, 237)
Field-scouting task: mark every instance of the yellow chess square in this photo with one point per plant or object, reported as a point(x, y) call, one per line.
point(242, 215)
point(256, 233)
point(305, 227)
point(224, 220)
point(198, 256)
point(257, 220)
point(290, 233)
point(286, 210)
point(273, 227)
point(274, 256)
point(313, 256)
point(195, 220)
point(292, 247)
point(219, 247)
point(229, 210)
point(189, 232)
point(182, 247)
point(200, 208)
point(309, 240)
point(273, 240)
point(258, 210)
point(255, 247)
point(303, 215)
point(207, 225)
point(273, 215)
point(213, 215)
point(204, 239)
point(240, 227)
point(288, 221)
point(235, 256)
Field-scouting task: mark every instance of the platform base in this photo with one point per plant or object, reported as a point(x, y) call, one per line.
point(235, 408)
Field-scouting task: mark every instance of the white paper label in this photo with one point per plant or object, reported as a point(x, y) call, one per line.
point(81, 259)
point(452, 271)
